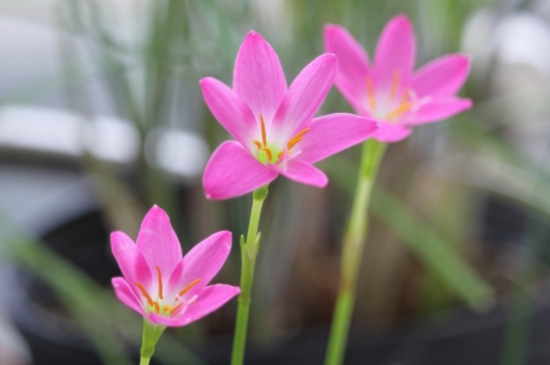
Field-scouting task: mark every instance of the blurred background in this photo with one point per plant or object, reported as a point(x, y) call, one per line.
point(101, 116)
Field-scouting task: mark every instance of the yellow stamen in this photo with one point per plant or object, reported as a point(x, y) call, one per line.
point(394, 85)
point(145, 294)
point(167, 308)
point(264, 137)
point(160, 281)
point(188, 287)
point(258, 144)
point(174, 310)
point(280, 154)
point(397, 112)
point(297, 138)
point(157, 308)
point(370, 93)
point(268, 153)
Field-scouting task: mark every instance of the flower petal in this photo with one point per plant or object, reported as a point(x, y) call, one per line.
point(158, 242)
point(395, 53)
point(389, 132)
point(305, 173)
point(353, 63)
point(305, 96)
point(258, 78)
point(126, 295)
point(233, 171)
point(228, 108)
point(333, 133)
point(210, 299)
point(133, 266)
point(203, 262)
point(441, 77)
point(438, 109)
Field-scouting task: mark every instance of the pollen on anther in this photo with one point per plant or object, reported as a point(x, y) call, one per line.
point(297, 138)
point(262, 125)
point(370, 93)
point(145, 294)
point(188, 287)
point(268, 153)
point(174, 310)
point(258, 144)
point(160, 281)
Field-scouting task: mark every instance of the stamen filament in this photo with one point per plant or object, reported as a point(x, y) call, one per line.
point(160, 281)
point(394, 85)
point(188, 287)
point(145, 294)
point(264, 136)
point(370, 93)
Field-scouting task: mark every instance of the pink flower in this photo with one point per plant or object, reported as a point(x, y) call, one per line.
point(162, 286)
point(273, 125)
point(389, 90)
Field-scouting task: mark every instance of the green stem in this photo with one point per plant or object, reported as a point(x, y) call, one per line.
point(249, 252)
point(151, 335)
point(352, 251)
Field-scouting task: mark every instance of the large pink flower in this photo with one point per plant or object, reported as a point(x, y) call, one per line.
point(273, 125)
point(162, 286)
point(389, 90)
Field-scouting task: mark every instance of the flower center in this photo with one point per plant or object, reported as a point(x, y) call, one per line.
point(271, 153)
point(390, 105)
point(158, 305)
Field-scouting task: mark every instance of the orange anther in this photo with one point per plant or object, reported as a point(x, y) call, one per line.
point(188, 287)
point(145, 294)
point(258, 144)
point(297, 138)
point(160, 281)
point(397, 112)
point(268, 153)
point(370, 93)
point(280, 155)
point(174, 310)
point(264, 136)
point(394, 85)
point(157, 308)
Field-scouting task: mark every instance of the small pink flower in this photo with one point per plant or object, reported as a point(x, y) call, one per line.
point(389, 90)
point(273, 125)
point(162, 286)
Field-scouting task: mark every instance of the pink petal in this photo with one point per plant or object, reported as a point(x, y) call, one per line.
point(233, 171)
point(395, 52)
point(210, 299)
point(228, 108)
point(353, 63)
point(389, 132)
point(133, 266)
point(305, 96)
point(333, 133)
point(258, 78)
point(202, 262)
point(441, 77)
point(438, 109)
point(158, 242)
point(305, 173)
point(126, 295)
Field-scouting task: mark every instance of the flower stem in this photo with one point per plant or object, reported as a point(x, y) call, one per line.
point(151, 335)
point(352, 251)
point(249, 252)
